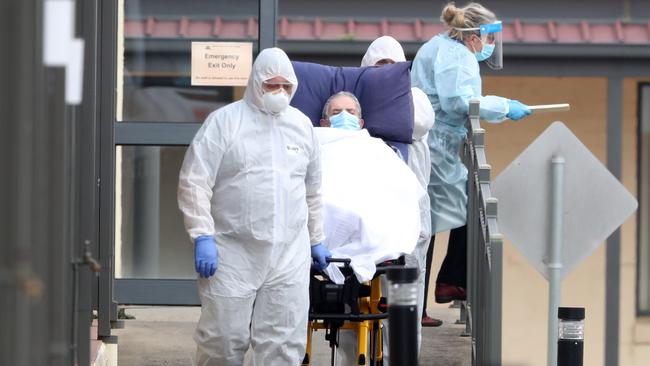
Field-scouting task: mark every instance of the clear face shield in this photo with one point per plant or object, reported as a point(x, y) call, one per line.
point(492, 52)
point(491, 38)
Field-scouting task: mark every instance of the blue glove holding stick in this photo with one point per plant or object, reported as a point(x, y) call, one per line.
point(518, 110)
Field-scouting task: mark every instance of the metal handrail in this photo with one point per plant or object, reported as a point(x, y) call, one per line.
point(484, 249)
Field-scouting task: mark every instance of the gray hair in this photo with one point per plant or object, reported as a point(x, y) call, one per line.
point(339, 94)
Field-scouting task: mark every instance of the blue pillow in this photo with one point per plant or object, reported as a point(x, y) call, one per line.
point(384, 94)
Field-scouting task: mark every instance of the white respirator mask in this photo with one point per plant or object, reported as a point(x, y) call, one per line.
point(275, 101)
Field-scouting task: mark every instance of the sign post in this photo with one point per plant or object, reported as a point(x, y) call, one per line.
point(555, 255)
point(557, 214)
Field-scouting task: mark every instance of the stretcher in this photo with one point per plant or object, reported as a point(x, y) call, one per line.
point(352, 305)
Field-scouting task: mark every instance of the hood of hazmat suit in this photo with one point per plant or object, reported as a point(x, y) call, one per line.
point(385, 47)
point(252, 179)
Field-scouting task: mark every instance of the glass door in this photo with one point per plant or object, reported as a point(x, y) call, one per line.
point(158, 112)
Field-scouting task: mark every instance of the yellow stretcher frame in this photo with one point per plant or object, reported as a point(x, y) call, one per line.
point(364, 328)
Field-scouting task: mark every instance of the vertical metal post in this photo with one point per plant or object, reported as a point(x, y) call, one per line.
point(483, 273)
point(21, 103)
point(107, 82)
point(87, 195)
point(59, 178)
point(473, 254)
point(555, 255)
point(472, 248)
point(473, 233)
point(267, 24)
point(613, 250)
point(40, 178)
point(495, 285)
point(494, 336)
point(471, 236)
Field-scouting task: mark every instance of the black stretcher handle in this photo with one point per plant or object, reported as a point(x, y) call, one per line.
point(338, 260)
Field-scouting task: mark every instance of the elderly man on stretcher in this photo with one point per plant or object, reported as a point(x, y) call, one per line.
point(371, 199)
point(375, 206)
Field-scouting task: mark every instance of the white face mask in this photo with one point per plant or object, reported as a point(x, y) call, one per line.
point(275, 101)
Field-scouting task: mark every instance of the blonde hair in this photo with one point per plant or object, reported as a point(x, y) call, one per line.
point(471, 15)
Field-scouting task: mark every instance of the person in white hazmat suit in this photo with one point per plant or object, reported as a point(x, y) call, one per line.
point(387, 50)
point(249, 193)
point(382, 51)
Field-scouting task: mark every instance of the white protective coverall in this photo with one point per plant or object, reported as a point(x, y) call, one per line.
point(419, 161)
point(252, 179)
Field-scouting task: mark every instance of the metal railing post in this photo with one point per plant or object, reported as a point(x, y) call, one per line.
point(496, 280)
point(484, 250)
point(471, 233)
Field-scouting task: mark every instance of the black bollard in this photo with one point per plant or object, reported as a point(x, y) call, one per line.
point(403, 316)
point(570, 343)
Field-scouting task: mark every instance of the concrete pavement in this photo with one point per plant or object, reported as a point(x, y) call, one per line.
point(162, 336)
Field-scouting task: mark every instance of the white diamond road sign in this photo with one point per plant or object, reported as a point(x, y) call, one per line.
point(595, 202)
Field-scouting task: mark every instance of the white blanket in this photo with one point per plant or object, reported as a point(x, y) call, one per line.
point(370, 201)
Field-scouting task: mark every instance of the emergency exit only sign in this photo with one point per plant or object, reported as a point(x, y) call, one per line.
point(221, 63)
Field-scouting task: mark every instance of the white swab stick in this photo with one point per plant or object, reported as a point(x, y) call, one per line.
point(550, 108)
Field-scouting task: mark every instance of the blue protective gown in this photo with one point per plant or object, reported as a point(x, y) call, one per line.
point(449, 74)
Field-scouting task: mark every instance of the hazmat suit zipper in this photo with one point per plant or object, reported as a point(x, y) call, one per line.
point(275, 159)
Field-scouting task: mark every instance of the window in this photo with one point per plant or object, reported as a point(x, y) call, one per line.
point(156, 71)
point(150, 240)
point(163, 111)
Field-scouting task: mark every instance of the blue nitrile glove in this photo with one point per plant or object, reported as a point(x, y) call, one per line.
point(319, 253)
point(518, 110)
point(205, 255)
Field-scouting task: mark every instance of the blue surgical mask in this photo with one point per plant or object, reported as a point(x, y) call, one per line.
point(345, 121)
point(485, 53)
